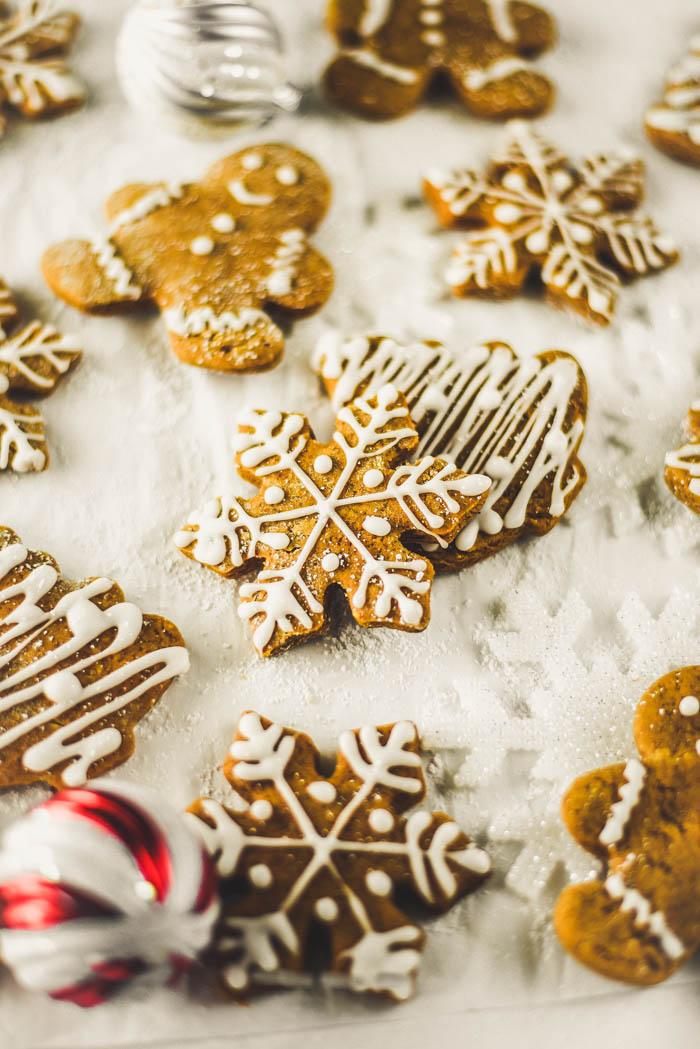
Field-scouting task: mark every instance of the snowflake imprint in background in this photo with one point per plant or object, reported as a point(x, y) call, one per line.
point(330, 851)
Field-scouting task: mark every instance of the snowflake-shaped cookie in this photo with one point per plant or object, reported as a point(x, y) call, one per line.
point(673, 125)
point(394, 49)
point(682, 470)
point(532, 210)
point(32, 360)
point(311, 865)
point(213, 255)
point(33, 79)
point(79, 667)
point(333, 515)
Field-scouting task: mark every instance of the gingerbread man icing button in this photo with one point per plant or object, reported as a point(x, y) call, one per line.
point(212, 255)
point(640, 921)
point(392, 50)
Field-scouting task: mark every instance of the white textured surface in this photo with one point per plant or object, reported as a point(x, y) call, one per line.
point(534, 661)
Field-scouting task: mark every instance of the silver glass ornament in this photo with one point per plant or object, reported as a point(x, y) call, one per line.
point(219, 61)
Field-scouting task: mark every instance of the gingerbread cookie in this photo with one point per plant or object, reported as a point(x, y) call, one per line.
point(332, 515)
point(682, 471)
point(392, 50)
point(518, 421)
point(673, 125)
point(79, 667)
point(311, 866)
point(32, 360)
point(642, 819)
point(34, 80)
point(532, 210)
point(213, 255)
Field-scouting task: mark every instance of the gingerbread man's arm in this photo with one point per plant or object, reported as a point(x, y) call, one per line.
point(299, 278)
point(587, 806)
point(90, 275)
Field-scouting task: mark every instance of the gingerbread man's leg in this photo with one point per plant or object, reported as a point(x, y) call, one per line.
point(373, 85)
point(588, 805)
point(503, 85)
point(299, 278)
point(90, 275)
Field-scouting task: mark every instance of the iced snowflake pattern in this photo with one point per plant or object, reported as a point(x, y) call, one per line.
point(333, 514)
point(533, 209)
point(310, 851)
point(33, 78)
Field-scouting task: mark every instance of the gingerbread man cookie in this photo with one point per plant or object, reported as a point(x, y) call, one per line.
point(532, 210)
point(640, 922)
point(682, 470)
point(332, 515)
point(33, 359)
point(33, 78)
point(79, 667)
point(517, 420)
point(673, 125)
point(308, 861)
point(212, 255)
point(392, 50)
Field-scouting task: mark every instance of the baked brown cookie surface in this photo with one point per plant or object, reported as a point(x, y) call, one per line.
point(673, 125)
point(212, 255)
point(392, 50)
point(640, 922)
point(314, 869)
point(682, 466)
point(333, 516)
point(517, 420)
point(532, 211)
point(79, 667)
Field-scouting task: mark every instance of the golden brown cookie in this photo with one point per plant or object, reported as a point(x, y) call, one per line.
point(332, 515)
point(533, 211)
point(312, 866)
point(392, 50)
point(213, 256)
point(517, 420)
point(34, 80)
point(673, 125)
point(682, 469)
point(79, 667)
point(33, 359)
point(640, 922)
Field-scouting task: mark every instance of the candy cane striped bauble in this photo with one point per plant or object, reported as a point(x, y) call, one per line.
point(101, 887)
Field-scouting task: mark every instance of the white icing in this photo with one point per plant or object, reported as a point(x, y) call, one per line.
point(621, 811)
point(372, 478)
point(689, 706)
point(252, 161)
point(687, 460)
point(374, 16)
point(322, 791)
point(202, 246)
point(287, 175)
point(270, 443)
point(644, 916)
point(261, 809)
point(330, 562)
point(274, 495)
point(323, 464)
point(66, 694)
point(223, 222)
point(479, 77)
point(115, 270)
point(679, 112)
point(202, 320)
point(260, 876)
point(501, 19)
point(41, 343)
point(19, 437)
point(390, 70)
point(433, 37)
point(152, 200)
point(381, 821)
point(240, 192)
point(70, 849)
point(429, 847)
point(376, 525)
point(451, 400)
point(285, 262)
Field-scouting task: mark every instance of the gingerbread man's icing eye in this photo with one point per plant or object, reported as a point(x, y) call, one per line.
point(689, 706)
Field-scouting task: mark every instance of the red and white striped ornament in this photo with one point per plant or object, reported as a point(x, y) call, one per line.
point(101, 887)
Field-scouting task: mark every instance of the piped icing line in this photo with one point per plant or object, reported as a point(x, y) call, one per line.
point(390, 70)
point(481, 76)
point(203, 320)
point(152, 200)
point(687, 460)
point(42, 341)
point(46, 679)
point(240, 192)
point(614, 829)
point(644, 915)
point(285, 262)
point(679, 112)
point(471, 410)
point(8, 310)
point(19, 435)
point(374, 16)
point(501, 20)
point(115, 269)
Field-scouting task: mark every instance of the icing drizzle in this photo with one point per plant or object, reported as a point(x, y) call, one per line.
point(644, 916)
point(679, 113)
point(621, 811)
point(115, 269)
point(285, 262)
point(203, 320)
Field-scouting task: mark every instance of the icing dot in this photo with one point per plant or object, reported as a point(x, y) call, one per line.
point(591, 205)
point(507, 213)
point(236, 977)
point(514, 180)
point(561, 180)
point(260, 875)
point(697, 746)
point(62, 687)
point(261, 810)
point(223, 223)
point(202, 246)
point(378, 882)
point(326, 909)
point(381, 821)
point(322, 791)
point(689, 706)
point(431, 17)
point(330, 562)
point(323, 464)
point(537, 242)
point(252, 161)
point(287, 175)
point(433, 37)
point(372, 478)
point(581, 234)
point(376, 525)
point(273, 495)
